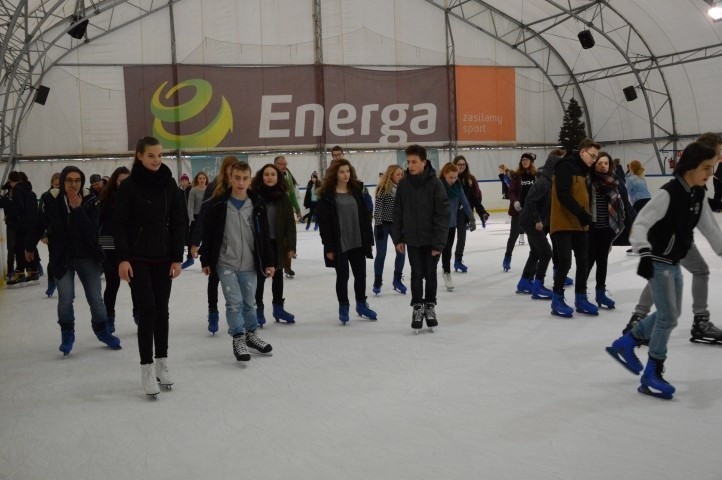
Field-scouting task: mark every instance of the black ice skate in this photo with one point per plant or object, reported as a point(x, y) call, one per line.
point(430, 316)
point(704, 331)
point(417, 318)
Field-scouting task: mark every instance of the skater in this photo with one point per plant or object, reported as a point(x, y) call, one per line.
point(282, 164)
point(223, 175)
point(383, 219)
point(569, 223)
point(23, 205)
point(458, 205)
point(534, 221)
point(149, 234)
point(637, 186)
point(703, 330)
point(46, 197)
point(421, 226)
point(473, 195)
point(194, 196)
point(310, 201)
point(610, 216)
point(345, 226)
point(662, 235)
point(237, 245)
point(282, 232)
point(106, 201)
point(71, 222)
point(521, 181)
point(505, 181)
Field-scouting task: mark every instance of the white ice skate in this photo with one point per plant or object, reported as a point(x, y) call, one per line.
point(150, 383)
point(447, 281)
point(162, 374)
point(522, 239)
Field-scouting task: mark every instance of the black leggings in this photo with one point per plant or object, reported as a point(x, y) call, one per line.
point(461, 220)
point(600, 241)
point(423, 267)
point(112, 281)
point(540, 254)
point(276, 285)
point(514, 232)
point(213, 282)
point(446, 253)
point(150, 289)
point(356, 258)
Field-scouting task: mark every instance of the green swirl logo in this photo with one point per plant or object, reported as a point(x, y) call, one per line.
point(208, 137)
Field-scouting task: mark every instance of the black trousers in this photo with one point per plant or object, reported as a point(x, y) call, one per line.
point(540, 254)
point(357, 260)
point(461, 220)
point(112, 281)
point(19, 249)
point(565, 243)
point(213, 282)
point(276, 285)
point(514, 232)
point(423, 268)
point(446, 254)
point(150, 289)
point(600, 241)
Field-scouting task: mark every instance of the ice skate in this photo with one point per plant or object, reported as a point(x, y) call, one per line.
point(240, 349)
point(343, 313)
point(704, 331)
point(633, 321)
point(255, 342)
point(189, 262)
point(282, 315)
point(19, 280)
point(67, 339)
point(110, 325)
point(377, 285)
point(447, 281)
point(50, 290)
point(108, 339)
point(584, 306)
point(522, 239)
point(524, 286)
point(288, 273)
point(363, 310)
point(260, 316)
point(539, 292)
point(213, 322)
point(162, 374)
point(430, 316)
point(622, 350)
point(150, 382)
point(653, 384)
point(417, 318)
point(603, 300)
point(560, 307)
point(460, 267)
point(398, 285)
point(506, 263)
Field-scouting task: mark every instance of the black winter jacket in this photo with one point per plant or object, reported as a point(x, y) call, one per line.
point(215, 225)
point(71, 232)
point(149, 219)
point(538, 199)
point(421, 211)
point(25, 206)
point(328, 225)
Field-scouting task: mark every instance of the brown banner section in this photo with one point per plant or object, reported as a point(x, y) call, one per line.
point(241, 107)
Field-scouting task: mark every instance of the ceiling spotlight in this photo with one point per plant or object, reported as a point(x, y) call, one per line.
point(715, 11)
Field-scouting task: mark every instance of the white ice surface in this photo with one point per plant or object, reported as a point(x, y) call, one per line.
point(501, 390)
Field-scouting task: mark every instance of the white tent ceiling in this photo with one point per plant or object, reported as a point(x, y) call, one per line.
point(84, 113)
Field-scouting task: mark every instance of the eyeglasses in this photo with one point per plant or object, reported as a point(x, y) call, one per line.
point(593, 157)
point(461, 164)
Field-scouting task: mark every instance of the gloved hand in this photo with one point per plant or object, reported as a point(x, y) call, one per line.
point(471, 225)
point(517, 206)
point(646, 267)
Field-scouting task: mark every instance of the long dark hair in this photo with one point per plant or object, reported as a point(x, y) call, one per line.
point(330, 179)
point(269, 193)
point(107, 195)
point(465, 177)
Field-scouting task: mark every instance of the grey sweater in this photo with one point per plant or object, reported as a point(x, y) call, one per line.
point(238, 244)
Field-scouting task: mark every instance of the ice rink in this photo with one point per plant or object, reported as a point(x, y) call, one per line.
point(501, 389)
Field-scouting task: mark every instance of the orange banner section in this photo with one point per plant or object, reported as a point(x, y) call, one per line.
point(486, 104)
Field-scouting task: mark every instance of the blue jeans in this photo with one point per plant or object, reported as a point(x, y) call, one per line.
point(666, 286)
point(89, 271)
point(382, 234)
point(239, 289)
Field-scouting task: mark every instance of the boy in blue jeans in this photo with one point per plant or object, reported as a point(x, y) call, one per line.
point(237, 245)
